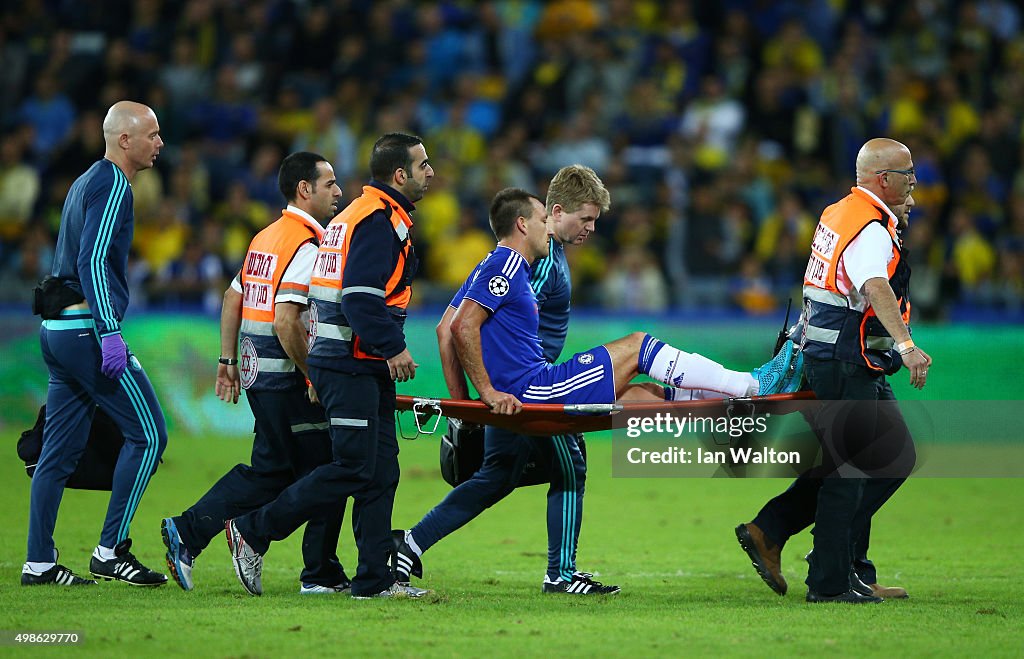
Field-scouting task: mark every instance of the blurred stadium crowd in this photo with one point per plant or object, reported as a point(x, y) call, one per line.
point(721, 128)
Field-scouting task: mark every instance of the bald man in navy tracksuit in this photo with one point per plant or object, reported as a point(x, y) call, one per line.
point(89, 363)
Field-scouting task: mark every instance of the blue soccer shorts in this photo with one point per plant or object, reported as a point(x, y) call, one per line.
point(586, 378)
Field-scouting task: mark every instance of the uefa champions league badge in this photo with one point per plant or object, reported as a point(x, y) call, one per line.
point(498, 286)
point(248, 363)
point(585, 358)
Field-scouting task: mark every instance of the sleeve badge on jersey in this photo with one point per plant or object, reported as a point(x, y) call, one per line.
point(498, 286)
point(586, 358)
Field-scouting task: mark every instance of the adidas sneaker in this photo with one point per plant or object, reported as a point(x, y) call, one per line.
point(770, 377)
point(582, 583)
point(125, 567)
point(404, 561)
point(58, 575)
point(794, 377)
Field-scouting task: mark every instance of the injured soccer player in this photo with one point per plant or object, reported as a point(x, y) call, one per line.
point(493, 338)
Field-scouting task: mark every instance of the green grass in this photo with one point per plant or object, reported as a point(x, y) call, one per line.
point(687, 587)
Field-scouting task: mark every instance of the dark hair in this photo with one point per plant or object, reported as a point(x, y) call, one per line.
point(509, 205)
point(299, 166)
point(391, 152)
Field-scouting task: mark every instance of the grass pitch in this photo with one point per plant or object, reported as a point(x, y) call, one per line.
point(688, 590)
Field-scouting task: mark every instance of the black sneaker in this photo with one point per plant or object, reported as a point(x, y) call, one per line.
point(582, 583)
point(849, 597)
point(125, 567)
point(856, 585)
point(58, 575)
point(404, 561)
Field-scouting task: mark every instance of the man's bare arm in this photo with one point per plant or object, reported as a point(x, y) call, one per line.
point(292, 333)
point(454, 375)
point(228, 385)
point(879, 294)
point(465, 328)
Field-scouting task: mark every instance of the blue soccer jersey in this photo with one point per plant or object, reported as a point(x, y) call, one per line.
point(511, 348)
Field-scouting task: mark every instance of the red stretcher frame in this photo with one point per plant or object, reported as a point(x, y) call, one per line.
point(548, 419)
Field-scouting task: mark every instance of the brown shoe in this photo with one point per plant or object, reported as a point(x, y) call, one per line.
point(765, 555)
point(888, 592)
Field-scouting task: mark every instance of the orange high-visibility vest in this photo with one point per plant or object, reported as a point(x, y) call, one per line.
point(832, 329)
point(263, 363)
point(331, 334)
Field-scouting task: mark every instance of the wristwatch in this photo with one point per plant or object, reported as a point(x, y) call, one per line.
point(227, 361)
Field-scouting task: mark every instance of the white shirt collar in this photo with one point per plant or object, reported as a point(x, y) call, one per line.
point(307, 217)
point(892, 217)
point(512, 249)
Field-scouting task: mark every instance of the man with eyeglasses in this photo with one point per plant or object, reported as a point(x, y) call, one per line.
point(854, 332)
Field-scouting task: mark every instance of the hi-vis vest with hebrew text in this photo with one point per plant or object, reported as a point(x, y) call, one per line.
point(831, 328)
point(331, 336)
point(263, 364)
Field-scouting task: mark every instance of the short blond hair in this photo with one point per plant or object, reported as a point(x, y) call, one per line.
point(574, 186)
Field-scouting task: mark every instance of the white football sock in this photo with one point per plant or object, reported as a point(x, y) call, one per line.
point(745, 381)
point(36, 568)
point(104, 553)
point(689, 370)
point(695, 394)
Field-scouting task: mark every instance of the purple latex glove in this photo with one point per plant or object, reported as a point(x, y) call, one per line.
point(115, 356)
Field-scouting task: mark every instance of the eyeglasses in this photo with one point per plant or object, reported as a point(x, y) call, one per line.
point(906, 172)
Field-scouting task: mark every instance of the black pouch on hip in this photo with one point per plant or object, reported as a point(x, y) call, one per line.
point(50, 296)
